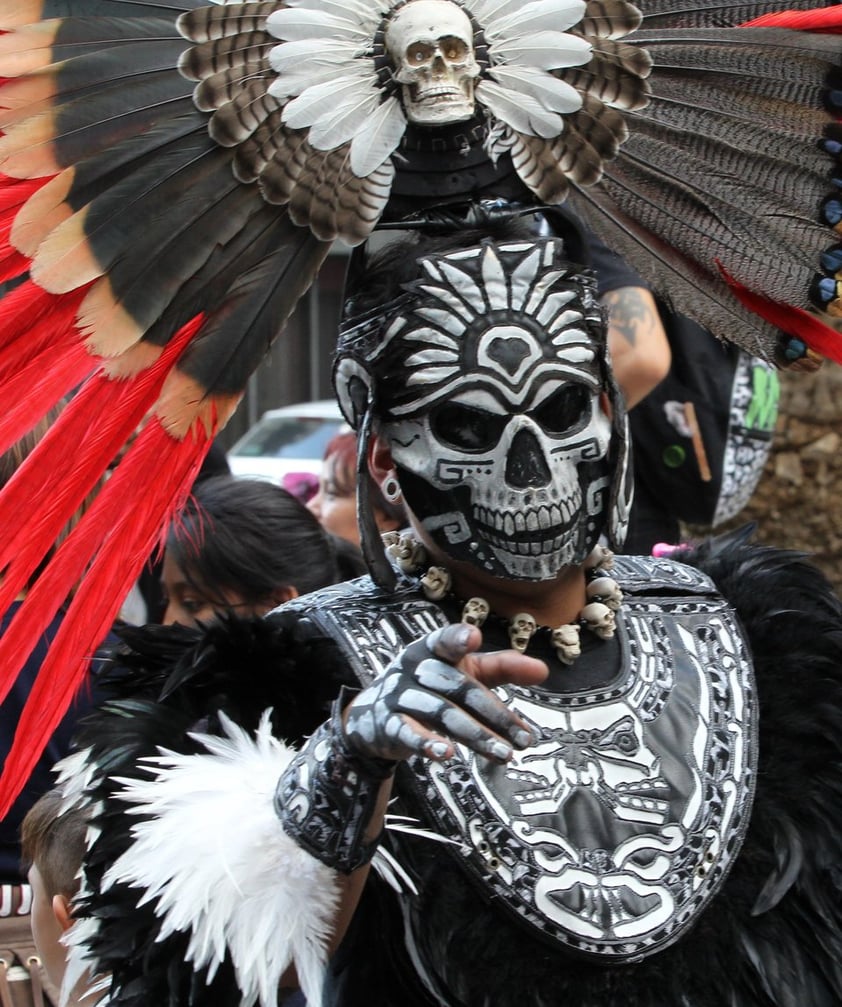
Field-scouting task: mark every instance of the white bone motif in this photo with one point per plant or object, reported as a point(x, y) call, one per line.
point(599, 619)
point(521, 629)
point(431, 44)
point(606, 590)
point(475, 611)
point(435, 583)
point(566, 643)
point(390, 540)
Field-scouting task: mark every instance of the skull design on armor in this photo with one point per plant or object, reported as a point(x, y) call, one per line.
point(431, 46)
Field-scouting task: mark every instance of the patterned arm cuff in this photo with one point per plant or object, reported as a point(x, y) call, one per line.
point(327, 796)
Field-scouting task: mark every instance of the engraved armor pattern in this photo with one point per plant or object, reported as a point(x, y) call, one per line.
point(613, 832)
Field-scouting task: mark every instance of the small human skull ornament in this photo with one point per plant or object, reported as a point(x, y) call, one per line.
point(566, 643)
point(521, 630)
point(599, 619)
point(408, 553)
point(431, 44)
point(606, 590)
point(390, 539)
point(435, 583)
point(600, 558)
point(475, 611)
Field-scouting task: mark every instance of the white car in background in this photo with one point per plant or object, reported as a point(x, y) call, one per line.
point(286, 440)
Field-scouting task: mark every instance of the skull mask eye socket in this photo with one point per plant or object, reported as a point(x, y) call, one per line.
point(565, 411)
point(419, 53)
point(467, 428)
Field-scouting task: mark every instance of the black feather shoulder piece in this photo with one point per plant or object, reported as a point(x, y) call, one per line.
point(166, 683)
point(783, 903)
point(240, 667)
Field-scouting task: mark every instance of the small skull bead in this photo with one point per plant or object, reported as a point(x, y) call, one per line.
point(606, 590)
point(566, 643)
point(599, 619)
point(521, 629)
point(435, 583)
point(475, 611)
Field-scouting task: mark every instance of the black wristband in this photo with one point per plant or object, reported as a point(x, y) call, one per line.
point(327, 796)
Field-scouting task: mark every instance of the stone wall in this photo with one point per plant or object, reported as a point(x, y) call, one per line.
point(798, 502)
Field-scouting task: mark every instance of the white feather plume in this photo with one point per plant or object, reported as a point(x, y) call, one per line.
point(323, 99)
point(555, 95)
point(540, 15)
point(213, 857)
point(545, 50)
point(292, 25)
point(294, 57)
point(360, 10)
point(378, 138)
point(341, 123)
point(520, 111)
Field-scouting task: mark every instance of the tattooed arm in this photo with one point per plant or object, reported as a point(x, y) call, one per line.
point(640, 352)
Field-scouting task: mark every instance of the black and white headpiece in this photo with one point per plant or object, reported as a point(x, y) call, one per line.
point(490, 377)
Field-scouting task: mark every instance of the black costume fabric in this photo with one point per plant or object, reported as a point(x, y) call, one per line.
point(772, 937)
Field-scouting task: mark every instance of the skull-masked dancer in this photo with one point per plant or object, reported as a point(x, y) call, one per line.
point(604, 779)
point(508, 767)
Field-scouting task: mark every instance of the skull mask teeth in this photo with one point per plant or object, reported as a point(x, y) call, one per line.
point(430, 43)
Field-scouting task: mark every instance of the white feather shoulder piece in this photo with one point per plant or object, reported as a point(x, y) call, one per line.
point(212, 855)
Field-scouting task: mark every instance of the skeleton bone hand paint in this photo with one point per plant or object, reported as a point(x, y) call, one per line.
point(490, 381)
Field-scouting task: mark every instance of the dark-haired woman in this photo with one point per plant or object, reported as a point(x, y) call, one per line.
point(247, 546)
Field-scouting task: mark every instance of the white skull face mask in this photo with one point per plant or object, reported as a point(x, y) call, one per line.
point(431, 46)
point(494, 388)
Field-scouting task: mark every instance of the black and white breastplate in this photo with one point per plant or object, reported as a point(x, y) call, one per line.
point(612, 833)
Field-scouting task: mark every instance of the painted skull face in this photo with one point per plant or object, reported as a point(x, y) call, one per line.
point(430, 43)
point(491, 385)
point(501, 441)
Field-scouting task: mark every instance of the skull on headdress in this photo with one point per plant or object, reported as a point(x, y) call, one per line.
point(430, 43)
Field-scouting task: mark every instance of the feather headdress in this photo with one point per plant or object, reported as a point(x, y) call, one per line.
point(174, 175)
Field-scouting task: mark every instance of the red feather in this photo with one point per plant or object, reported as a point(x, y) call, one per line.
point(825, 19)
point(32, 320)
point(69, 462)
point(122, 537)
point(799, 323)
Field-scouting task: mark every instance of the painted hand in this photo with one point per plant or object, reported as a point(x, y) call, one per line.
point(437, 691)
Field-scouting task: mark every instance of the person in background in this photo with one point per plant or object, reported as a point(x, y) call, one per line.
point(53, 845)
point(335, 504)
point(247, 546)
point(148, 588)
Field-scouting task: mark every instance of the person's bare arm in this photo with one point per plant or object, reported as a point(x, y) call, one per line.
point(640, 352)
